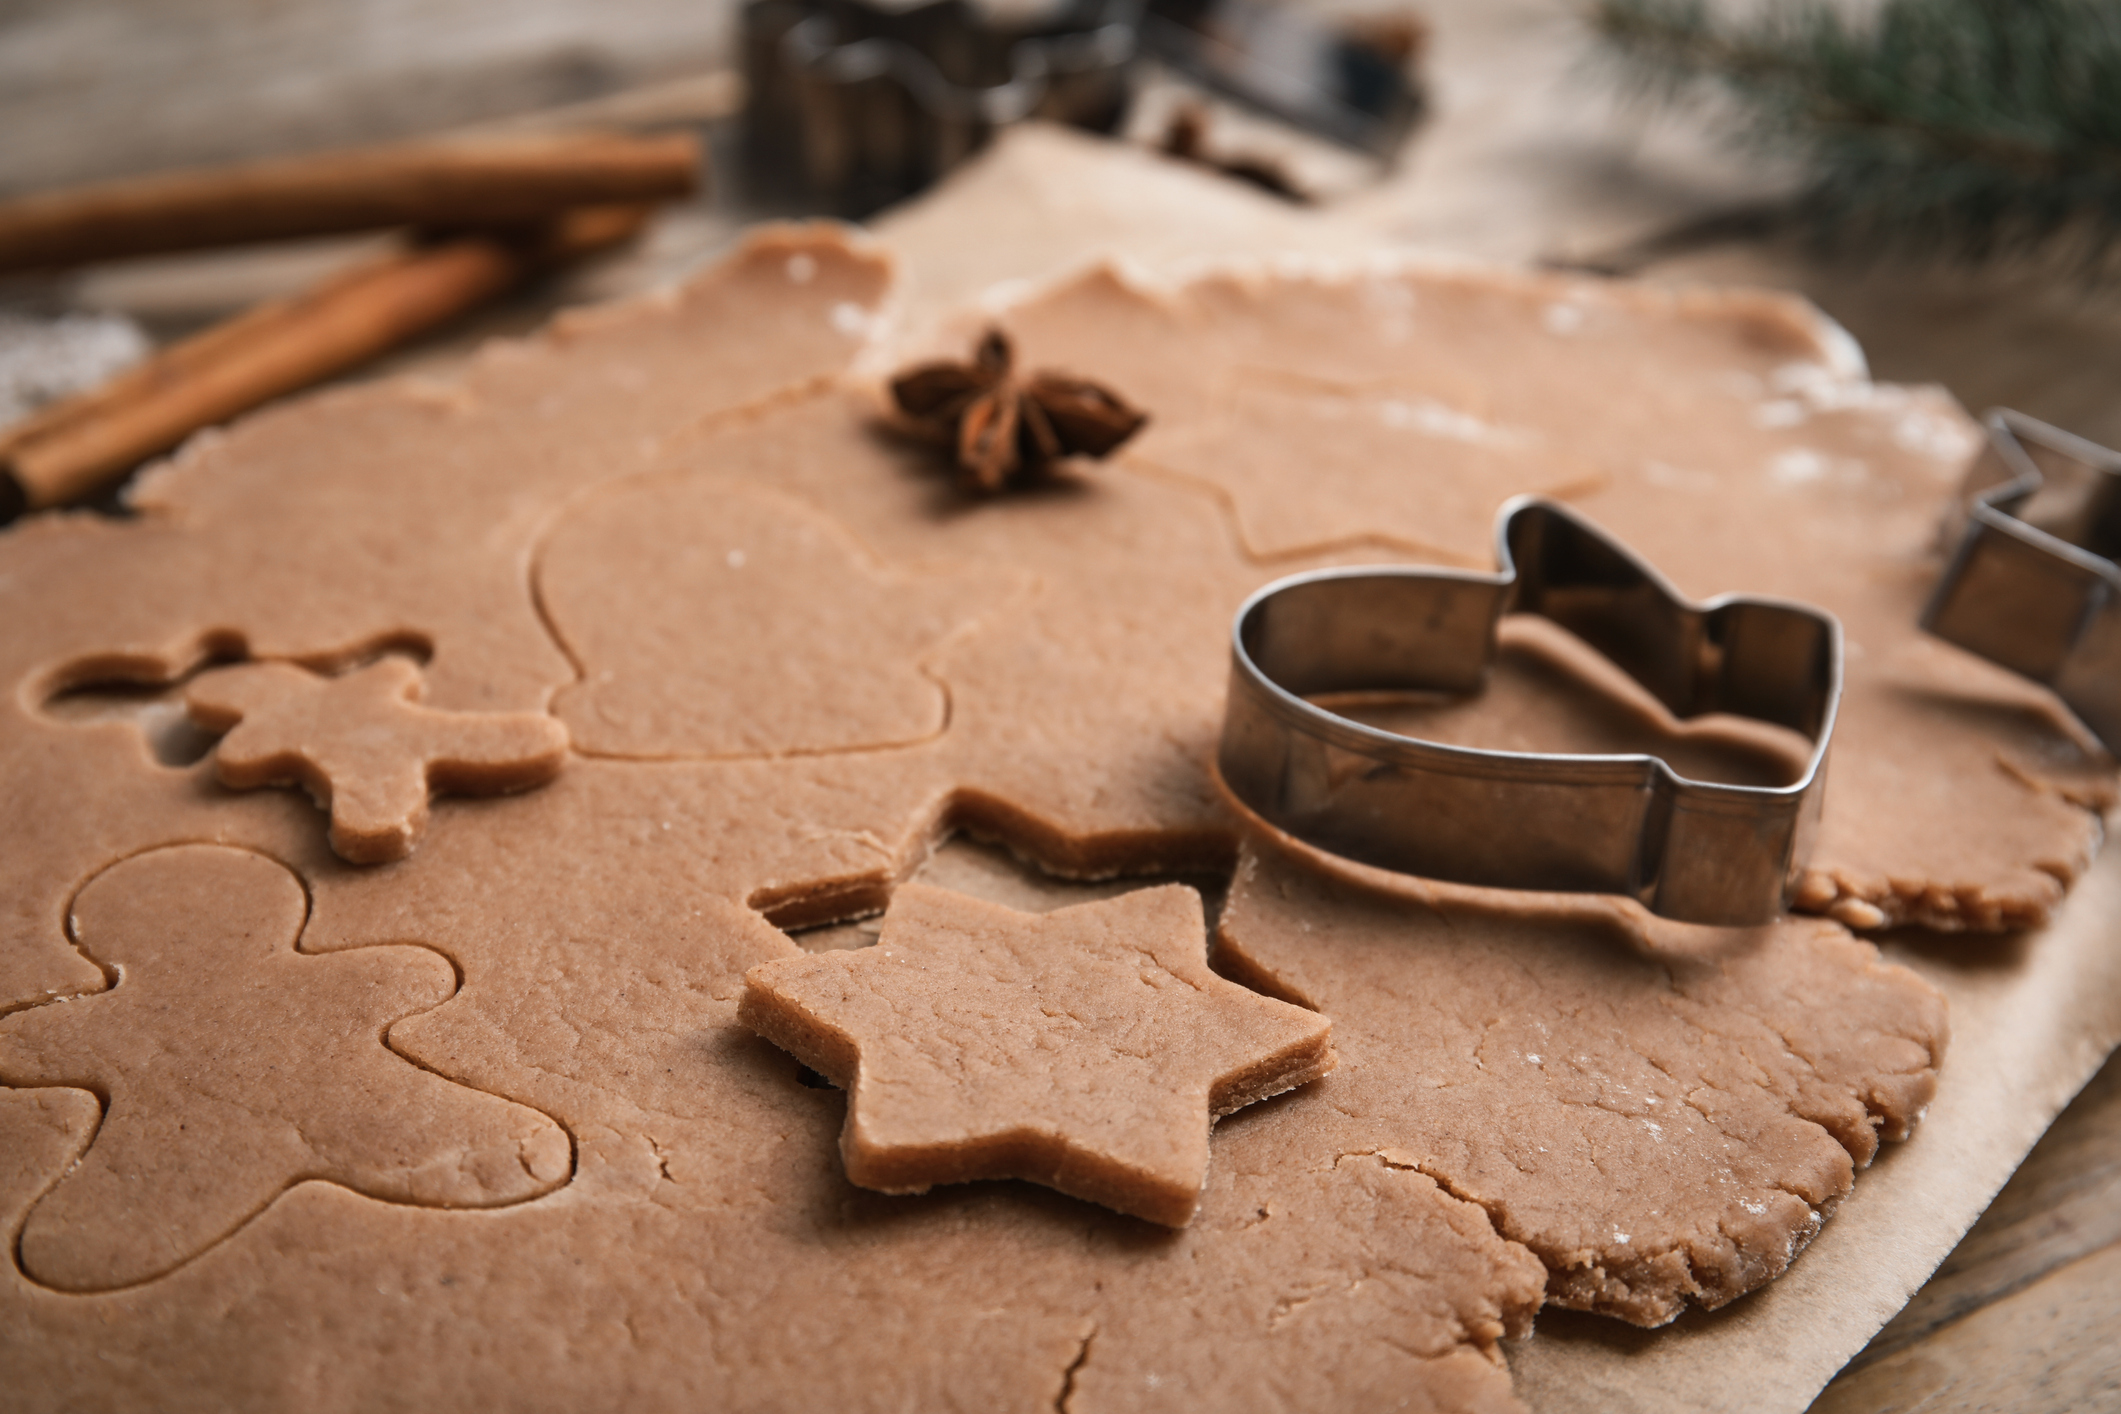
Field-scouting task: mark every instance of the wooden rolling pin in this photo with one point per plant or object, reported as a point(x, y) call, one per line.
point(484, 183)
point(75, 447)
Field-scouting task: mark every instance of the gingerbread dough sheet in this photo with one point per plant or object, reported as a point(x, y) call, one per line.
point(706, 1246)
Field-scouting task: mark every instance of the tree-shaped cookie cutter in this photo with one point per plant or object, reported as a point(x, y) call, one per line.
point(2033, 584)
point(1698, 851)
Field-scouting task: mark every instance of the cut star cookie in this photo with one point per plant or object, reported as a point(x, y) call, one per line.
point(232, 1067)
point(362, 744)
point(1088, 1049)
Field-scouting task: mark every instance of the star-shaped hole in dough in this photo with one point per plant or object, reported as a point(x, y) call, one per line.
point(1088, 1049)
point(362, 744)
point(232, 1067)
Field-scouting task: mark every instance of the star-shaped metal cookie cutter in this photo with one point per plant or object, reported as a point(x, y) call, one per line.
point(2033, 584)
point(1698, 851)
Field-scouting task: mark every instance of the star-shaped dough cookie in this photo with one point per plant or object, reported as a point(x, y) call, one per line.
point(362, 743)
point(1088, 1049)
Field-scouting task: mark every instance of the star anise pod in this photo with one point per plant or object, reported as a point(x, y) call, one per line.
point(1003, 426)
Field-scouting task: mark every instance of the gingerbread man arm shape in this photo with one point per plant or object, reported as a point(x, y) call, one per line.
point(1088, 1049)
point(362, 745)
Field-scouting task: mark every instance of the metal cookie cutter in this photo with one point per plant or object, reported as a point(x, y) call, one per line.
point(2033, 584)
point(1332, 79)
point(1698, 851)
point(854, 104)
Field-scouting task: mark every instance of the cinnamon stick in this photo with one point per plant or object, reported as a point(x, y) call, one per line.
point(485, 183)
point(73, 448)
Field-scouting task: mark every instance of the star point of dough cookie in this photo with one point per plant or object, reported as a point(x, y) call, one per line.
point(1088, 1049)
point(365, 746)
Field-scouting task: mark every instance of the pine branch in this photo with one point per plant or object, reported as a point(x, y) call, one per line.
point(1969, 128)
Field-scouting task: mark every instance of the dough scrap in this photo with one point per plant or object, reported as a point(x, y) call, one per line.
point(716, 620)
point(1662, 1121)
point(231, 1067)
point(1087, 1049)
point(365, 748)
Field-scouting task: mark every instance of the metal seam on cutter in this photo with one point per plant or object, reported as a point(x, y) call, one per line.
point(1697, 851)
point(2033, 584)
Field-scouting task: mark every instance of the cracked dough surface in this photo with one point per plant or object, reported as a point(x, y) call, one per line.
point(706, 1248)
point(1662, 1119)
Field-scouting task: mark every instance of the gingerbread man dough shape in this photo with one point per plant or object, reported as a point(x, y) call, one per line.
point(209, 1113)
point(362, 744)
point(1088, 1049)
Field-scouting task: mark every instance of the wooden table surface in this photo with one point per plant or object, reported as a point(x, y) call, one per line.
point(2022, 1316)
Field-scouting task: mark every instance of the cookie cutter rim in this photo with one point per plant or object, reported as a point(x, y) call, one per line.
point(1627, 824)
point(2024, 597)
point(811, 46)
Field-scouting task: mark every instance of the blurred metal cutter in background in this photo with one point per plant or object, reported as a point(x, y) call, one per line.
point(853, 104)
point(2033, 584)
point(1347, 82)
point(1698, 851)
point(857, 103)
